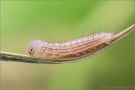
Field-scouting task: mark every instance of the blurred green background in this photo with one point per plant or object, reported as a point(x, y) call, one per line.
point(24, 21)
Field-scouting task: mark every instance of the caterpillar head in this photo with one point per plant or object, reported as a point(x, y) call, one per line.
point(35, 47)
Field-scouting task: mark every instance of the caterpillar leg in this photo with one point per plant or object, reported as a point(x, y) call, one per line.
point(57, 56)
point(48, 55)
point(40, 54)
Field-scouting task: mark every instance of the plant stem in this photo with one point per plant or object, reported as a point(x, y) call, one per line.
point(124, 33)
point(6, 56)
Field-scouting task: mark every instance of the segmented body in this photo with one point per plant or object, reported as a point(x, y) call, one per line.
point(74, 48)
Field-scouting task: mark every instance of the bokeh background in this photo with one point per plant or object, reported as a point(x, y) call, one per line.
point(24, 21)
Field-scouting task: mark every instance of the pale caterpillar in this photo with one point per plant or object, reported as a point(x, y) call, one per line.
point(72, 49)
point(67, 52)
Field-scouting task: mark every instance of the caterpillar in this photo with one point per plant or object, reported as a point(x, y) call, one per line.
point(67, 52)
point(71, 49)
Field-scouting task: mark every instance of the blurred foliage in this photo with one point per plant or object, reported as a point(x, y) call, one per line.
point(24, 21)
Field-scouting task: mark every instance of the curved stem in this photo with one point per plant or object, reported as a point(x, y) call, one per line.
point(5, 56)
point(124, 33)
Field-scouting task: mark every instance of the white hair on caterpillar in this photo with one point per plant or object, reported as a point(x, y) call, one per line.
point(71, 48)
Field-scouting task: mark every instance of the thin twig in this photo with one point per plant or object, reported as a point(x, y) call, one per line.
point(123, 33)
point(5, 56)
